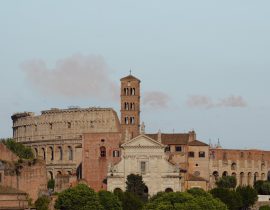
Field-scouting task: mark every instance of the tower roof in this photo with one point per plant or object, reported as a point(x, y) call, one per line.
point(130, 77)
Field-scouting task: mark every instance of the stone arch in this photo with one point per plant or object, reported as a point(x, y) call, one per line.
point(233, 166)
point(70, 153)
point(50, 174)
point(225, 173)
point(263, 166)
point(249, 178)
point(234, 174)
point(263, 176)
point(60, 153)
point(216, 175)
point(51, 153)
point(44, 153)
point(117, 190)
point(167, 190)
point(36, 152)
point(241, 180)
point(146, 190)
point(256, 176)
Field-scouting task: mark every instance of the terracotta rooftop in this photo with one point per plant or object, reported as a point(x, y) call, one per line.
point(176, 138)
point(129, 77)
point(197, 143)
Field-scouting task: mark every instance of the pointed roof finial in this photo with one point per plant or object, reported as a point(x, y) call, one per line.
point(130, 72)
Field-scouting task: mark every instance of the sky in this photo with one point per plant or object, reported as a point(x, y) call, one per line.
point(203, 65)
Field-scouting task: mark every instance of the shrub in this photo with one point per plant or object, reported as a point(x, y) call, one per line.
point(42, 203)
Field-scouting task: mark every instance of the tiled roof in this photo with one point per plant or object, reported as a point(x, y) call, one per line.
point(195, 178)
point(197, 143)
point(175, 138)
point(129, 77)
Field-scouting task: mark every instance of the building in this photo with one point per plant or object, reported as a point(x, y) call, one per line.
point(146, 157)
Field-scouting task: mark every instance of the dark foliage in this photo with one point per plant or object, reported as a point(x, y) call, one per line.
point(19, 149)
point(42, 203)
point(136, 186)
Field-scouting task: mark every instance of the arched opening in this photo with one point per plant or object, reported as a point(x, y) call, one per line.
point(102, 151)
point(263, 166)
point(216, 175)
point(225, 173)
point(256, 176)
point(59, 173)
point(241, 181)
point(263, 176)
point(167, 190)
point(234, 174)
point(60, 153)
point(233, 166)
point(51, 153)
point(146, 190)
point(132, 120)
point(70, 153)
point(249, 178)
point(69, 173)
point(44, 153)
point(126, 106)
point(50, 175)
point(133, 91)
point(36, 152)
point(131, 106)
point(117, 190)
point(126, 121)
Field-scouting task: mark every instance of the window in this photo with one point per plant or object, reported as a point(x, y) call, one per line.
point(102, 152)
point(60, 153)
point(143, 167)
point(116, 153)
point(126, 120)
point(178, 148)
point(191, 154)
point(69, 124)
point(201, 154)
point(132, 120)
point(50, 126)
point(51, 153)
point(70, 153)
point(167, 149)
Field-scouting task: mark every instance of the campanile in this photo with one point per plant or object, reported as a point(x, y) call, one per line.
point(130, 106)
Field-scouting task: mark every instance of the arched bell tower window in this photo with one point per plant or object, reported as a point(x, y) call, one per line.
point(126, 120)
point(102, 151)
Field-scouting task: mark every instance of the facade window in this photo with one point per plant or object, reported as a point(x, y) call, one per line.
point(178, 148)
point(132, 91)
point(191, 154)
point(102, 152)
point(143, 167)
point(60, 153)
point(132, 120)
point(52, 154)
point(51, 126)
point(201, 154)
point(69, 124)
point(126, 121)
point(70, 153)
point(44, 153)
point(116, 153)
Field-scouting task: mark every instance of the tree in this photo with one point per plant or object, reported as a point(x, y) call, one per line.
point(226, 182)
point(248, 194)
point(184, 201)
point(230, 197)
point(42, 203)
point(262, 187)
point(265, 207)
point(136, 186)
point(80, 197)
point(109, 201)
point(129, 200)
point(51, 184)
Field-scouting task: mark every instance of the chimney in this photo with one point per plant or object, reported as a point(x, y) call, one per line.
point(192, 136)
point(159, 136)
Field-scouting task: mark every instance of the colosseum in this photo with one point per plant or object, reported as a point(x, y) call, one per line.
point(56, 134)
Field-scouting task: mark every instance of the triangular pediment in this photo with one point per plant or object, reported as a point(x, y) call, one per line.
point(143, 141)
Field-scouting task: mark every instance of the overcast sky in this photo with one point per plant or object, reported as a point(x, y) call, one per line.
point(204, 65)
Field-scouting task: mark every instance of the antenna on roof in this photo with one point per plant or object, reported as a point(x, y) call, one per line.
point(130, 72)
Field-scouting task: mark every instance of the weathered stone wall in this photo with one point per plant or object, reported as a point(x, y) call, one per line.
point(11, 201)
point(246, 165)
point(56, 134)
point(95, 162)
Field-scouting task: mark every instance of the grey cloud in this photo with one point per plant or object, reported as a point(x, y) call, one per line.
point(200, 101)
point(156, 99)
point(75, 76)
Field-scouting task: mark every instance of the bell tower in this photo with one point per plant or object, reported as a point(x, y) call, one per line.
point(130, 106)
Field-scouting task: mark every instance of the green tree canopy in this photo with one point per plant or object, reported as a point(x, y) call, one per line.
point(198, 200)
point(19, 149)
point(226, 182)
point(262, 187)
point(80, 197)
point(109, 201)
point(135, 185)
point(51, 184)
point(248, 194)
point(42, 203)
point(230, 197)
point(265, 207)
point(129, 200)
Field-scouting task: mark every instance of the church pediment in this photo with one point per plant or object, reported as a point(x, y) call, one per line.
point(142, 141)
